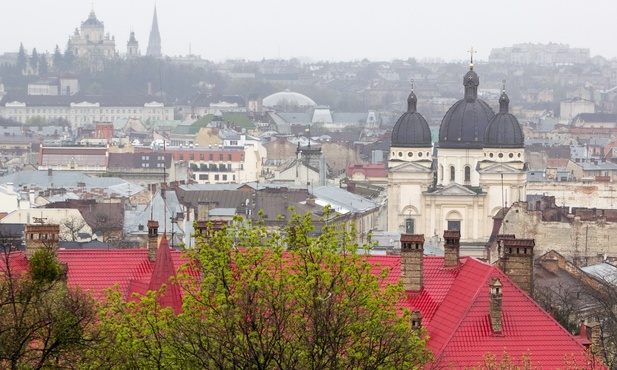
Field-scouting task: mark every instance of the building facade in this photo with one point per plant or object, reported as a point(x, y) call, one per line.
point(477, 168)
point(90, 42)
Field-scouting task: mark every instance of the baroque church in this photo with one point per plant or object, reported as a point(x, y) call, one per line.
point(475, 169)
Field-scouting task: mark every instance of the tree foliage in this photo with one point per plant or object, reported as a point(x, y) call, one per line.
point(258, 304)
point(43, 322)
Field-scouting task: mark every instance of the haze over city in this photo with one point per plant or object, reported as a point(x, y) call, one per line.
point(320, 30)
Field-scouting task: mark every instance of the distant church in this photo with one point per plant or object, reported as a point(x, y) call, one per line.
point(90, 42)
point(154, 42)
point(477, 168)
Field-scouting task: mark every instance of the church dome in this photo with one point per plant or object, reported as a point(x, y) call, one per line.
point(287, 97)
point(411, 129)
point(92, 21)
point(504, 131)
point(464, 124)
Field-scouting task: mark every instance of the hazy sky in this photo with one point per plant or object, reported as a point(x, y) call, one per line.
point(336, 30)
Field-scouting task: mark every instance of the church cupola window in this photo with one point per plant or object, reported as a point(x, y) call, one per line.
point(467, 174)
point(452, 173)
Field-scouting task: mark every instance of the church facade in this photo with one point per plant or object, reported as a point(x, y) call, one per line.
point(465, 179)
point(91, 42)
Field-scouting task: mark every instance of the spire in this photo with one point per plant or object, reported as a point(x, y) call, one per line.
point(412, 100)
point(504, 101)
point(154, 42)
point(164, 269)
point(471, 53)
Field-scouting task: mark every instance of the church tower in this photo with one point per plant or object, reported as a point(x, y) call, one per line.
point(410, 170)
point(154, 42)
point(132, 47)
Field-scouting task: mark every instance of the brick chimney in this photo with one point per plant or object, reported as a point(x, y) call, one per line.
point(594, 335)
point(41, 236)
point(416, 320)
point(153, 239)
point(452, 243)
point(412, 259)
point(517, 262)
point(495, 295)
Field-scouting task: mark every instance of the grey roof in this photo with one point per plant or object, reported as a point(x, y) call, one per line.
point(603, 271)
point(69, 181)
point(341, 200)
point(159, 209)
point(222, 212)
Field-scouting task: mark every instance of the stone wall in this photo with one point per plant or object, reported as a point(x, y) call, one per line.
point(576, 194)
point(584, 242)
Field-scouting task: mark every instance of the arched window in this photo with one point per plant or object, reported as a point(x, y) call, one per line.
point(452, 173)
point(409, 226)
point(467, 174)
point(440, 173)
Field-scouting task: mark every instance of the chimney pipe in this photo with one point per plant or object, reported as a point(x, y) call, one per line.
point(416, 320)
point(452, 242)
point(594, 334)
point(153, 240)
point(517, 262)
point(412, 260)
point(496, 295)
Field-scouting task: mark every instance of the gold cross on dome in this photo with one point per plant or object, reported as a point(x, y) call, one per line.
point(471, 52)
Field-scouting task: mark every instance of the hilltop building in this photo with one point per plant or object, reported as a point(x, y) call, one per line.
point(90, 42)
point(154, 42)
point(476, 168)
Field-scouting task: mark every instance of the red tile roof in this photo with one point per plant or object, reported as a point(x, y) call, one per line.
point(455, 312)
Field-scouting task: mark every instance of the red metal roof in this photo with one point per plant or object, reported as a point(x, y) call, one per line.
point(454, 303)
point(455, 312)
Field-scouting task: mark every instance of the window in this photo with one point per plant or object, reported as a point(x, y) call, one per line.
point(210, 157)
point(228, 166)
point(201, 157)
point(192, 157)
point(454, 225)
point(229, 157)
point(467, 174)
point(216, 177)
point(452, 173)
point(220, 157)
point(203, 176)
point(224, 177)
point(409, 226)
point(181, 157)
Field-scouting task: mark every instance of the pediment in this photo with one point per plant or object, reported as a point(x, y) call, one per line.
point(411, 167)
point(454, 190)
point(499, 168)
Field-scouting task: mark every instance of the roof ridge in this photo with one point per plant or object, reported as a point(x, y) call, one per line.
point(462, 317)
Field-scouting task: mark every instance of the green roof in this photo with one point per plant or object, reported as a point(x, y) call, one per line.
point(231, 119)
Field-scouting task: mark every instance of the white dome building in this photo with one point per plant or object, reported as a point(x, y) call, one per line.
point(288, 99)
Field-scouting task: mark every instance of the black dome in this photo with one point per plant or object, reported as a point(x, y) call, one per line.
point(464, 124)
point(411, 129)
point(504, 131)
point(92, 21)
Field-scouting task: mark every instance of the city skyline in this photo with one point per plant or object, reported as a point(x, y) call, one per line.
point(321, 30)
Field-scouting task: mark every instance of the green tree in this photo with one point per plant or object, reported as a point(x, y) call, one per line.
point(261, 299)
point(44, 323)
point(43, 65)
point(34, 60)
point(22, 59)
point(288, 300)
point(57, 59)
